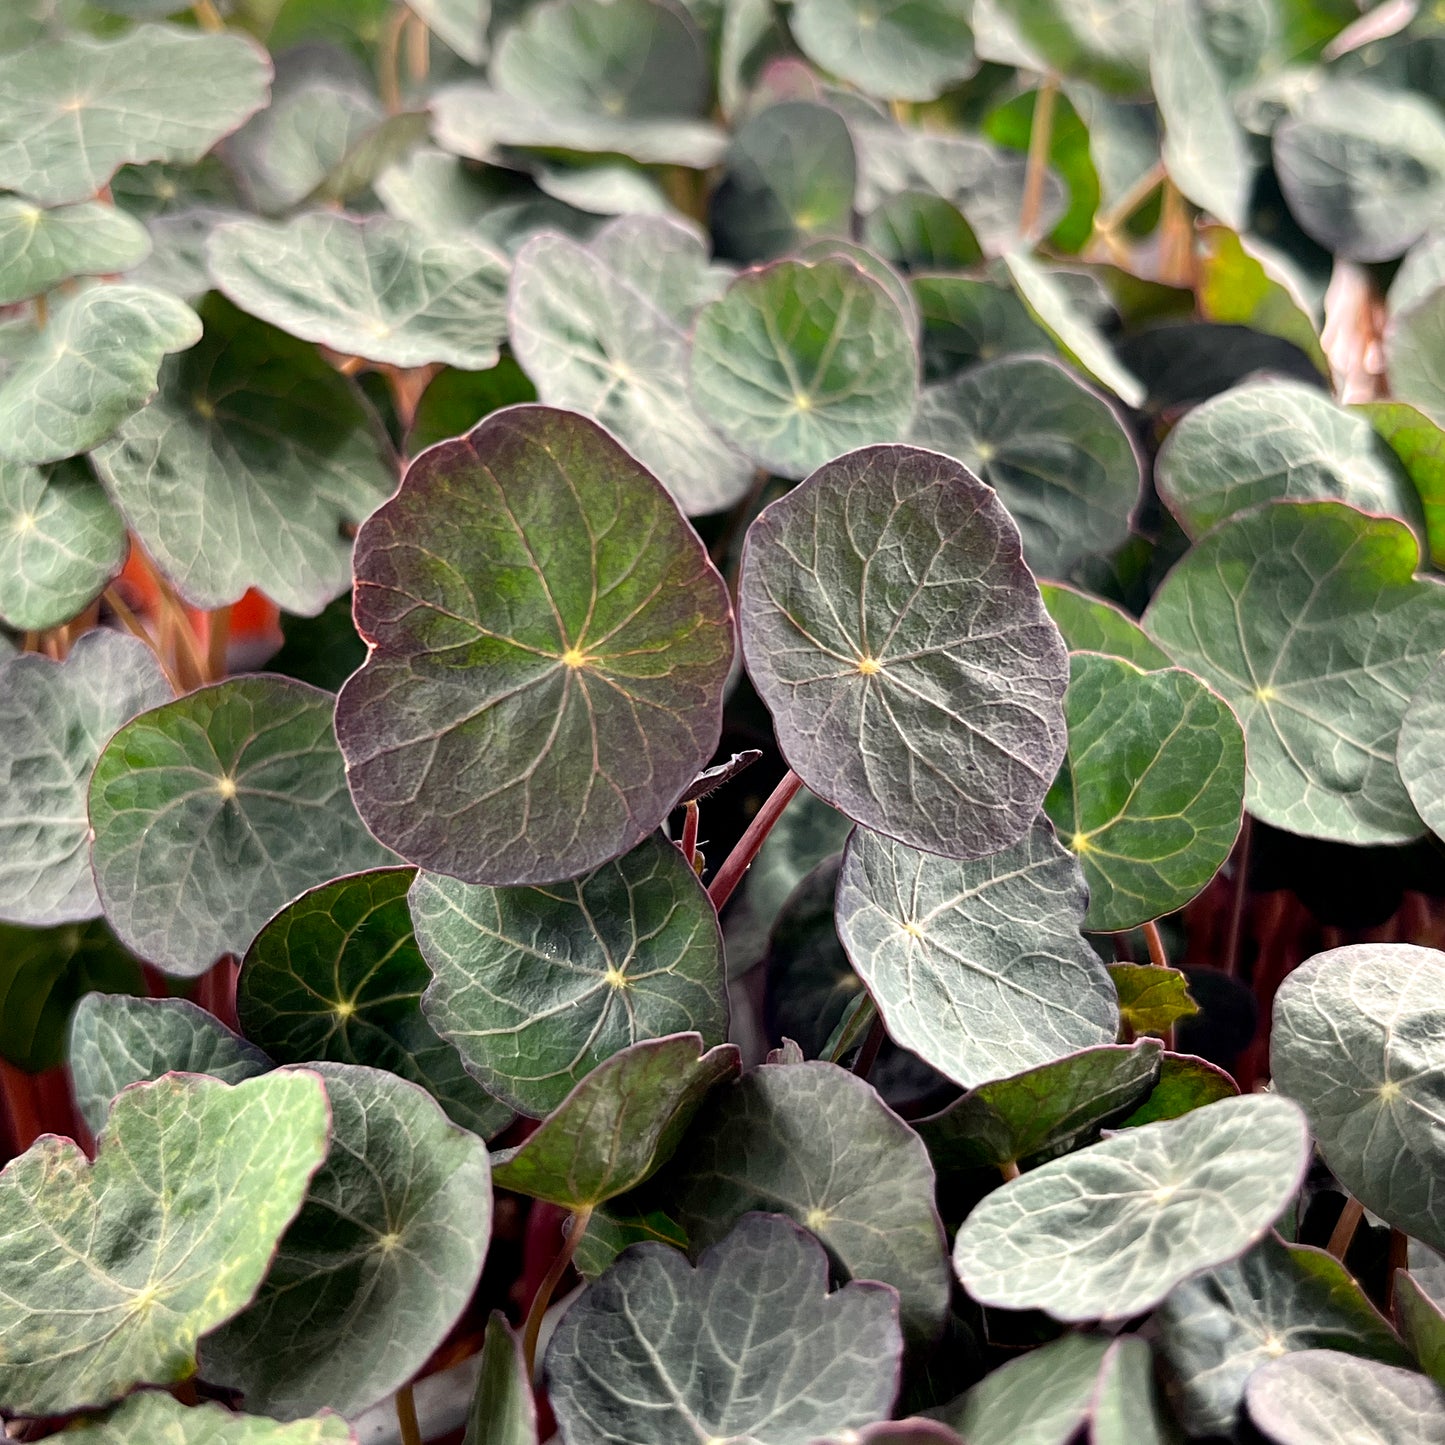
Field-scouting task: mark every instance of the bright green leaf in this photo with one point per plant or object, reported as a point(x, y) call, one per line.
point(1240, 284)
point(1151, 999)
point(1090, 624)
point(1420, 446)
point(1185, 1084)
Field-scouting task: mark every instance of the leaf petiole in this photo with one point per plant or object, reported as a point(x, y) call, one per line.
point(533, 1326)
point(738, 861)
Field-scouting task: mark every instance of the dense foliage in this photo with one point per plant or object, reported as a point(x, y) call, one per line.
point(727, 714)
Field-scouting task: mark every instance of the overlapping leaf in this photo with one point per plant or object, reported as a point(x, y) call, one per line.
point(1417, 753)
point(114, 1269)
point(116, 1041)
point(375, 287)
point(1415, 349)
point(748, 1346)
point(1271, 440)
point(249, 783)
point(1107, 45)
point(967, 321)
point(95, 363)
point(377, 1267)
point(1107, 1232)
point(1357, 1040)
point(503, 1410)
point(249, 469)
point(1307, 619)
point(1323, 1397)
point(537, 986)
point(978, 967)
point(817, 1143)
point(899, 50)
point(74, 111)
point(1054, 451)
point(55, 720)
point(40, 248)
point(338, 975)
point(1090, 624)
point(612, 342)
point(462, 24)
point(619, 1125)
point(547, 633)
point(899, 641)
point(802, 361)
point(61, 542)
point(155, 1418)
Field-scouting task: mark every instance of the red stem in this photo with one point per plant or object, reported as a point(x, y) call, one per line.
point(738, 861)
point(689, 833)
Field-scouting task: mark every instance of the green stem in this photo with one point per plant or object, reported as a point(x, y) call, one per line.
point(533, 1326)
point(1041, 134)
point(738, 861)
point(207, 16)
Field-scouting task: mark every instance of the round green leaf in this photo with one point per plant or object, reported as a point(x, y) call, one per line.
point(1359, 1039)
point(198, 1179)
point(93, 365)
point(213, 811)
point(373, 287)
point(1363, 168)
point(74, 111)
point(1415, 355)
point(800, 362)
point(338, 975)
point(1090, 624)
point(1054, 450)
point(1307, 619)
point(250, 468)
point(117, 1041)
point(894, 49)
point(537, 986)
point(1052, 307)
point(749, 1345)
point(1216, 1330)
point(39, 249)
point(549, 649)
point(55, 721)
point(977, 967)
point(966, 321)
point(1269, 440)
point(1417, 754)
point(1151, 793)
point(619, 1125)
point(815, 1142)
point(503, 1410)
point(1323, 1397)
point(893, 631)
point(1106, 1233)
point(1050, 1108)
point(790, 174)
point(155, 1418)
point(599, 340)
point(377, 1267)
point(61, 543)
point(1107, 44)
point(44, 974)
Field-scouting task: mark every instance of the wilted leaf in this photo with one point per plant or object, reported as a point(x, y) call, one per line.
point(39, 249)
point(933, 713)
point(250, 468)
point(897, 50)
point(1107, 1232)
point(1273, 440)
point(801, 361)
point(338, 975)
point(55, 721)
point(379, 1264)
point(503, 1410)
point(93, 365)
point(816, 1142)
point(619, 1125)
point(1216, 1330)
point(1054, 451)
point(747, 1346)
point(1151, 793)
point(544, 626)
point(248, 780)
point(1050, 1107)
point(373, 287)
point(613, 343)
point(978, 967)
point(1322, 1397)
point(155, 1418)
point(74, 111)
point(116, 1041)
point(1359, 1040)
point(537, 986)
point(61, 542)
point(1090, 624)
point(113, 1270)
point(1307, 619)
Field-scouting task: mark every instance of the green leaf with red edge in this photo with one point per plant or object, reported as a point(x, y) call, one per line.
point(549, 648)
point(1185, 1084)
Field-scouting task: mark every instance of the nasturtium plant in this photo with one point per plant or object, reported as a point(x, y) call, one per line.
point(738, 704)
